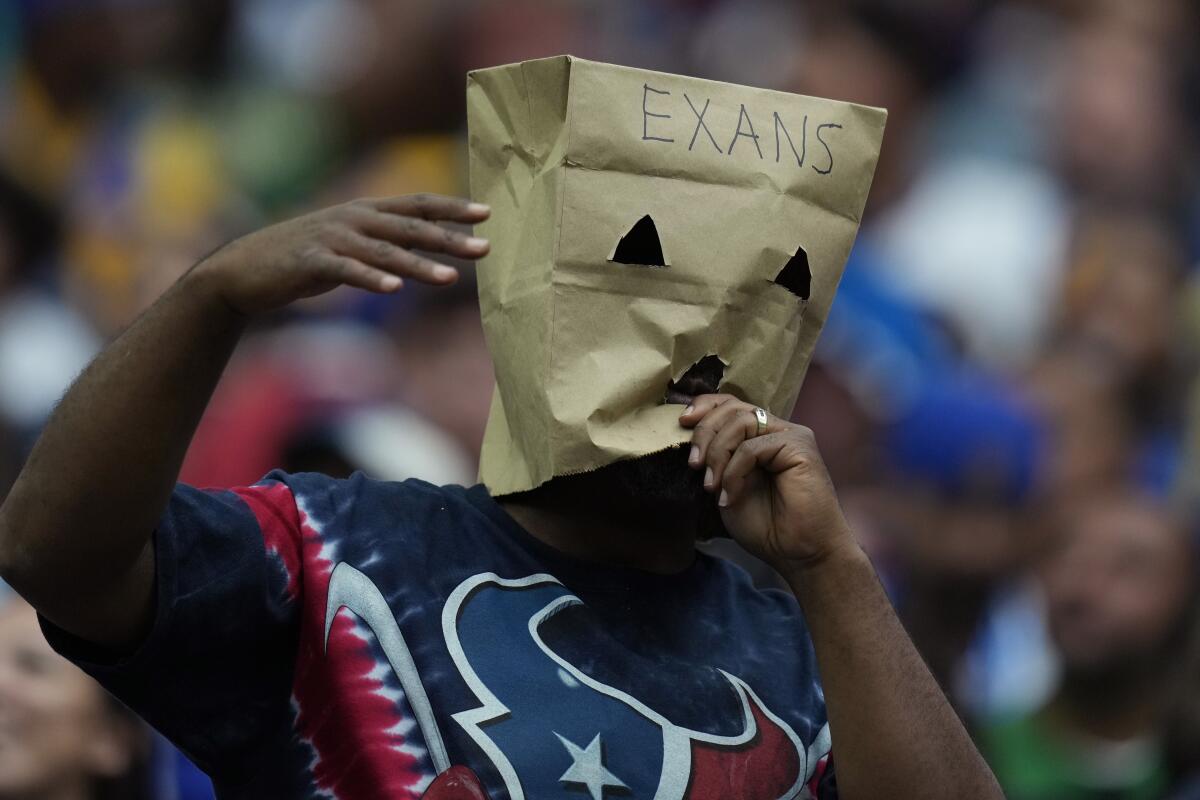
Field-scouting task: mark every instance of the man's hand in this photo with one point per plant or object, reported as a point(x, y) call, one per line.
point(775, 496)
point(777, 502)
point(363, 243)
point(75, 531)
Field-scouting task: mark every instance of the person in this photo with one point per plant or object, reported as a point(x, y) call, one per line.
point(966, 458)
point(62, 737)
point(309, 637)
point(1119, 585)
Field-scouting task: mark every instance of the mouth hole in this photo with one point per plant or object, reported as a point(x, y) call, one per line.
point(795, 276)
point(640, 246)
point(703, 377)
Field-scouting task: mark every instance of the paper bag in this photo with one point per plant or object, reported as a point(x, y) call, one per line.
point(640, 222)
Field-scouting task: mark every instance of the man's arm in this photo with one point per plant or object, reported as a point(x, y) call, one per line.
point(895, 734)
point(76, 529)
point(892, 724)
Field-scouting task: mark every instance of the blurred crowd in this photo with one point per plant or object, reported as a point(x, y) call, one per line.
point(1005, 391)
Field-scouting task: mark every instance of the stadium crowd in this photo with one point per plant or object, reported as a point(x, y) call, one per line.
point(1005, 391)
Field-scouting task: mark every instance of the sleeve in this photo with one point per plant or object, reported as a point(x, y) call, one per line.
point(214, 672)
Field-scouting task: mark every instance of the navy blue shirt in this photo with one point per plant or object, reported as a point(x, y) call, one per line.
point(353, 639)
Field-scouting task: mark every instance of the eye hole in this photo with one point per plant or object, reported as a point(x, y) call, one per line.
point(795, 275)
point(640, 246)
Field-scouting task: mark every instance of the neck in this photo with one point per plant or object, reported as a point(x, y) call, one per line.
point(582, 534)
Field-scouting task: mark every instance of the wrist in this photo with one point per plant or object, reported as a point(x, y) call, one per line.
point(206, 283)
point(827, 565)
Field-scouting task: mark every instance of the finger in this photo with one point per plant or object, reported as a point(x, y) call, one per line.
point(391, 258)
point(706, 430)
point(433, 206)
point(739, 425)
point(352, 272)
point(419, 233)
point(701, 405)
point(773, 452)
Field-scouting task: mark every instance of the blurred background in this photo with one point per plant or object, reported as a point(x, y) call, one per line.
point(1005, 391)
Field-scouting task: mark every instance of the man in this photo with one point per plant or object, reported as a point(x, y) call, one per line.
point(1119, 586)
point(554, 632)
point(168, 598)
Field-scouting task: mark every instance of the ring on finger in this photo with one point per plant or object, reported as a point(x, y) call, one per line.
point(760, 419)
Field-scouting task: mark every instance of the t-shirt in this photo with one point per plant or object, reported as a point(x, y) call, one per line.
point(355, 638)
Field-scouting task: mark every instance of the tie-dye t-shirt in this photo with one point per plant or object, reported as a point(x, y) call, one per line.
point(353, 639)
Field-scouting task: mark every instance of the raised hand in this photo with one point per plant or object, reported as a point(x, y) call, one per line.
point(774, 493)
point(363, 243)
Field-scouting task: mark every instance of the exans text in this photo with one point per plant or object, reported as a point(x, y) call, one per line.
point(653, 131)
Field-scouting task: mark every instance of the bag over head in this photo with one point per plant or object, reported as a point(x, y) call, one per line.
point(642, 221)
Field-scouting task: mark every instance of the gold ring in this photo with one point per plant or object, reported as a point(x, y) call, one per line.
point(760, 416)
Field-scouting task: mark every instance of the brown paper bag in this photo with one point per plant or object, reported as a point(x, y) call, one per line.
point(640, 222)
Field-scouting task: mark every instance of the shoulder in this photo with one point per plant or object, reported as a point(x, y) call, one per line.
point(320, 495)
point(386, 512)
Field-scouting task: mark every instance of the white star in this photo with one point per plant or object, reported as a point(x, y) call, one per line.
point(587, 767)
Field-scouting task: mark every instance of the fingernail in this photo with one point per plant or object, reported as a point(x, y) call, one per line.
point(478, 208)
point(390, 283)
point(708, 478)
point(444, 273)
point(694, 456)
point(686, 411)
point(476, 242)
point(723, 500)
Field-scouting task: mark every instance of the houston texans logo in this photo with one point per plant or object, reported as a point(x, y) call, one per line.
point(553, 731)
point(550, 729)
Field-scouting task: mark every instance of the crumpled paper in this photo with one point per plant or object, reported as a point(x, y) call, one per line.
point(737, 182)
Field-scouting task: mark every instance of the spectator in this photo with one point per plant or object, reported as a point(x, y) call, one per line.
point(1119, 585)
point(62, 737)
point(1035, 214)
point(964, 458)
